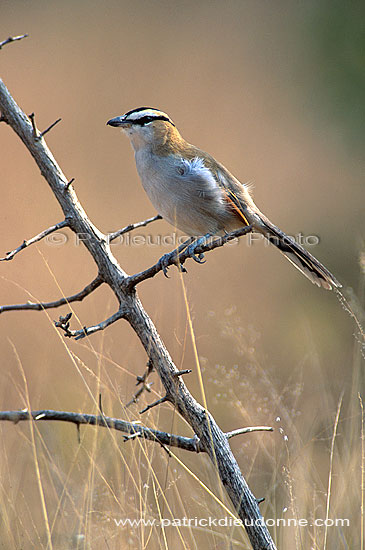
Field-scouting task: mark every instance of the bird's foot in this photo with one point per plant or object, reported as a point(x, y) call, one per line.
point(191, 249)
point(172, 258)
point(165, 261)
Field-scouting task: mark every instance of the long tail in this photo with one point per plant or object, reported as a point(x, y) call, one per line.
point(298, 256)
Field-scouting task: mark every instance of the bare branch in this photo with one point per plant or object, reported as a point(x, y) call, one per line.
point(12, 39)
point(131, 227)
point(249, 430)
point(63, 324)
point(179, 256)
point(136, 430)
point(211, 438)
point(42, 134)
point(40, 236)
point(36, 133)
point(39, 306)
point(155, 403)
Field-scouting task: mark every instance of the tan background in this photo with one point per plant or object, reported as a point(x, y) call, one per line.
point(273, 90)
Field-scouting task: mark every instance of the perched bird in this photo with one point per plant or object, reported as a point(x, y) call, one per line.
point(197, 194)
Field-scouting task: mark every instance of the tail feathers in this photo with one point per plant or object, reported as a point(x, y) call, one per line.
point(299, 257)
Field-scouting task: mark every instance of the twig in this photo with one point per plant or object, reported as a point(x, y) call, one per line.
point(155, 403)
point(40, 236)
point(63, 324)
point(112, 236)
point(179, 257)
point(146, 386)
point(12, 39)
point(61, 302)
point(42, 134)
point(249, 430)
point(142, 379)
point(182, 373)
point(165, 438)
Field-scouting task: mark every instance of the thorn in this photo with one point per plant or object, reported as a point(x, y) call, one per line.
point(154, 404)
point(181, 373)
point(259, 500)
point(49, 128)
point(68, 184)
point(64, 324)
point(131, 436)
point(66, 318)
point(196, 442)
point(35, 131)
point(78, 433)
point(100, 405)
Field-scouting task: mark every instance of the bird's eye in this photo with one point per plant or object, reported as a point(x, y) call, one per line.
point(147, 119)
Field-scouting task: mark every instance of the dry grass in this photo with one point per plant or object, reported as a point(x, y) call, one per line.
point(59, 493)
point(259, 86)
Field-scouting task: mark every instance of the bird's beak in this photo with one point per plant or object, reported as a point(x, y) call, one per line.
point(117, 121)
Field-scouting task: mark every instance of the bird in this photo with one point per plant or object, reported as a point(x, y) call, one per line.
point(197, 194)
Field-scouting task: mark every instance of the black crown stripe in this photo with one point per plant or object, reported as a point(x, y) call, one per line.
point(149, 118)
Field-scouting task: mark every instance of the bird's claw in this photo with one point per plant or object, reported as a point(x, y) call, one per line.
point(170, 259)
point(173, 258)
point(164, 262)
point(191, 250)
point(199, 259)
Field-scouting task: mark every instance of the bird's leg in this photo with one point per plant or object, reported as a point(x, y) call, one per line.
point(193, 246)
point(173, 257)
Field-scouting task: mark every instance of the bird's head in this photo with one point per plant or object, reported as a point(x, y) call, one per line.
point(144, 126)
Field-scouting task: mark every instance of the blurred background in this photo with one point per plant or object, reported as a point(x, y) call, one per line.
point(275, 91)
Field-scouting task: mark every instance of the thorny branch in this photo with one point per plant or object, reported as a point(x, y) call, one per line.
point(179, 256)
point(211, 438)
point(12, 39)
point(64, 324)
point(135, 429)
point(39, 306)
point(131, 227)
point(40, 236)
